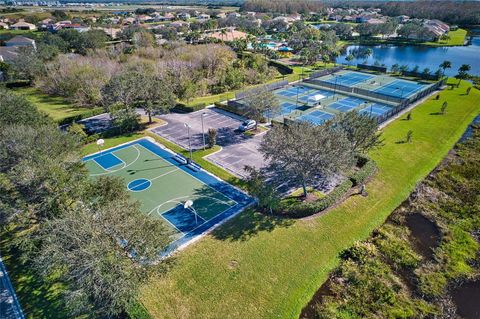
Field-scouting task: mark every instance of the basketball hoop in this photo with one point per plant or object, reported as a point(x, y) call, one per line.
point(189, 205)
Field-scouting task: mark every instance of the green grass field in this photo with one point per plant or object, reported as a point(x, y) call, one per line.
point(56, 107)
point(263, 267)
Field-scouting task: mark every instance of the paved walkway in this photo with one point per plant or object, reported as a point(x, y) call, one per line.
point(9, 305)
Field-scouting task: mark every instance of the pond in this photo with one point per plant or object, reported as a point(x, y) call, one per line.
point(423, 56)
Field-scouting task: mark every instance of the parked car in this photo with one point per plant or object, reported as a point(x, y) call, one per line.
point(247, 125)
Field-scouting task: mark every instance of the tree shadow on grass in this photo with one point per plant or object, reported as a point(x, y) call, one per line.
point(38, 298)
point(248, 224)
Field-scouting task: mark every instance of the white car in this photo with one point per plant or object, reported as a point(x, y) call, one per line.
point(247, 125)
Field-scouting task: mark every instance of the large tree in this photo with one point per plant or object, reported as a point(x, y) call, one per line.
point(156, 95)
point(301, 153)
point(261, 103)
point(360, 129)
point(102, 248)
point(88, 234)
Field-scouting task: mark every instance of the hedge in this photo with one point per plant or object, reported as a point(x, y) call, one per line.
point(189, 108)
point(282, 68)
point(367, 170)
point(305, 209)
point(78, 117)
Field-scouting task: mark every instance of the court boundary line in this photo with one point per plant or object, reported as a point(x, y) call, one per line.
point(146, 181)
point(119, 169)
point(199, 180)
point(174, 200)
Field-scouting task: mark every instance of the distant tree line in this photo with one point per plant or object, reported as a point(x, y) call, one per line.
point(454, 12)
point(283, 6)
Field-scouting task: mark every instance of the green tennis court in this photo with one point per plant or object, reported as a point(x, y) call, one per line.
point(163, 185)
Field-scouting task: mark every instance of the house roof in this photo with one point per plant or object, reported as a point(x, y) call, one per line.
point(20, 39)
point(8, 53)
point(229, 35)
point(23, 24)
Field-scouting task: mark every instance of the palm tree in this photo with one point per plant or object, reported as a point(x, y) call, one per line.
point(223, 33)
point(462, 73)
point(445, 65)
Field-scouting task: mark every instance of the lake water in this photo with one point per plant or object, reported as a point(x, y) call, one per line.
point(424, 57)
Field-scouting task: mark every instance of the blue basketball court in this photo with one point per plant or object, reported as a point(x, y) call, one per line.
point(316, 117)
point(189, 200)
point(349, 78)
point(400, 88)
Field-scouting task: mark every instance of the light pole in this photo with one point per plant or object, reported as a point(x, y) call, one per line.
point(203, 132)
point(189, 140)
point(335, 87)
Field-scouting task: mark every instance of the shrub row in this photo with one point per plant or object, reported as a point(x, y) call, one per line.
point(367, 170)
point(75, 118)
point(229, 108)
point(180, 107)
point(305, 209)
point(281, 67)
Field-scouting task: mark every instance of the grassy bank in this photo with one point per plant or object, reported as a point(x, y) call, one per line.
point(56, 107)
point(456, 37)
point(260, 267)
point(402, 260)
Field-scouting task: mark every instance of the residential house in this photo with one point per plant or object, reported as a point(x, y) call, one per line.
point(437, 27)
point(234, 14)
point(128, 20)
point(203, 17)
point(21, 41)
point(184, 15)
point(3, 26)
point(22, 25)
point(295, 16)
point(375, 21)
point(169, 16)
point(229, 35)
point(403, 18)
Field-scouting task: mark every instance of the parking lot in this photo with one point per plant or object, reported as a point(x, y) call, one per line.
point(237, 151)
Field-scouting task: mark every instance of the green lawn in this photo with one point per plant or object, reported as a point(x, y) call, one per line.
point(457, 37)
point(261, 267)
point(56, 107)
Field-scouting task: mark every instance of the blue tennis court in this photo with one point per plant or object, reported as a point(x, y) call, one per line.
point(285, 109)
point(350, 78)
point(400, 88)
point(316, 117)
point(293, 91)
point(307, 97)
point(347, 104)
point(376, 109)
